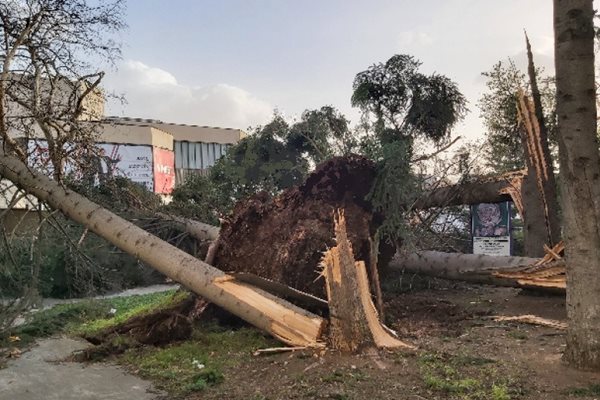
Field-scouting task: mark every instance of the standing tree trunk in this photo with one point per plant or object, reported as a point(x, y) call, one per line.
point(535, 233)
point(580, 176)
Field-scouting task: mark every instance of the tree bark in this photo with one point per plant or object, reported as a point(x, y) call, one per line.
point(534, 228)
point(198, 230)
point(465, 267)
point(545, 167)
point(283, 320)
point(354, 322)
point(465, 194)
point(580, 176)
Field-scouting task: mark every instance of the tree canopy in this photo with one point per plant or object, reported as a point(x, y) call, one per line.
point(408, 102)
point(271, 158)
point(498, 105)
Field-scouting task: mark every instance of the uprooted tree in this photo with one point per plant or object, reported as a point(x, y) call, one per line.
point(288, 323)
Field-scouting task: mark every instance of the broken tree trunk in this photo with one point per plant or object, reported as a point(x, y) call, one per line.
point(465, 267)
point(539, 190)
point(489, 191)
point(545, 172)
point(283, 320)
point(354, 323)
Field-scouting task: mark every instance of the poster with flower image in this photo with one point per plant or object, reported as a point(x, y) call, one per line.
point(490, 228)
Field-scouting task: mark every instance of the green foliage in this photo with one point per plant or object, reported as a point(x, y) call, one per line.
point(129, 307)
point(196, 198)
point(321, 134)
point(504, 150)
point(208, 377)
point(407, 105)
point(260, 162)
point(60, 319)
point(407, 101)
point(272, 158)
point(394, 186)
point(500, 392)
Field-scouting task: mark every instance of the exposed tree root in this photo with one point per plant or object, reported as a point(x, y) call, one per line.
point(159, 327)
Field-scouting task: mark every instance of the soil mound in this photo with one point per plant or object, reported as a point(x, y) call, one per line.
point(283, 238)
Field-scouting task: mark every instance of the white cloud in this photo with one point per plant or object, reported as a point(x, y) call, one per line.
point(412, 38)
point(155, 93)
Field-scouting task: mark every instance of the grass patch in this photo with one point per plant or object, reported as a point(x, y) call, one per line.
point(591, 390)
point(465, 377)
point(345, 377)
point(517, 334)
point(199, 363)
point(127, 307)
point(86, 316)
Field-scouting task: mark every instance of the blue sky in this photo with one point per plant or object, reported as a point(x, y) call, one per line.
point(231, 62)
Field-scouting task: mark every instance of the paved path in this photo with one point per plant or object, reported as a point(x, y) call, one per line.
point(40, 375)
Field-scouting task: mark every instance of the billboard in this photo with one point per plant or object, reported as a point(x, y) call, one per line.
point(130, 161)
point(490, 228)
point(164, 170)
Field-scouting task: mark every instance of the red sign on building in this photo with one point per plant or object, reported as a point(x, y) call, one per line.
point(164, 170)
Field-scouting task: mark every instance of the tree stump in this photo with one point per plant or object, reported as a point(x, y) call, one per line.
point(354, 322)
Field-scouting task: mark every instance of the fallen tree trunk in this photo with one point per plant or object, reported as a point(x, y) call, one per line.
point(283, 320)
point(464, 194)
point(466, 267)
point(198, 230)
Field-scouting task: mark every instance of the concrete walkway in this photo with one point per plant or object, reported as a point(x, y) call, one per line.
point(40, 375)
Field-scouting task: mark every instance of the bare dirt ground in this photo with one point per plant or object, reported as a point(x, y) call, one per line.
point(462, 354)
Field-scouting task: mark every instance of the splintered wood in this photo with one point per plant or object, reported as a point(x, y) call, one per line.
point(549, 272)
point(532, 320)
point(354, 322)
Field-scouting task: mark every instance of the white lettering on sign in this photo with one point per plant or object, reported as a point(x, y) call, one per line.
point(163, 169)
point(492, 246)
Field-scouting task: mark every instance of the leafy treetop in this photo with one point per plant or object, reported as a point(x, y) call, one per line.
point(407, 101)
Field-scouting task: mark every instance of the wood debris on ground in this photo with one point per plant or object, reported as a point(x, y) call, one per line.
point(548, 272)
point(532, 320)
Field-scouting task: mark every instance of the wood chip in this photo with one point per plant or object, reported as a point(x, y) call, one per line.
point(277, 350)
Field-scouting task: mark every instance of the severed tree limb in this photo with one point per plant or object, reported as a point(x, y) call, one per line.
point(198, 230)
point(212, 251)
point(438, 151)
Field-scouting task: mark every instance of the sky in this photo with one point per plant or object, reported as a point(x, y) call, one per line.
point(230, 63)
